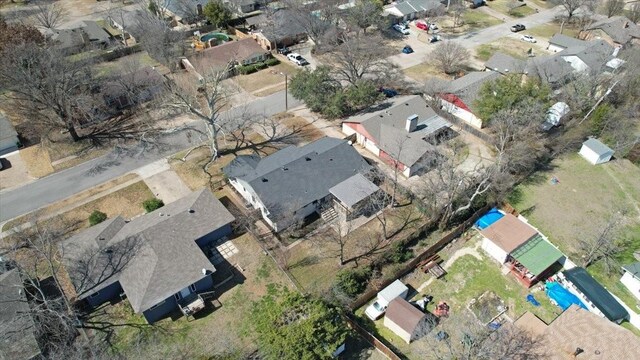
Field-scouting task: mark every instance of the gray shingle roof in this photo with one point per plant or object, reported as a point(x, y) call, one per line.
point(505, 64)
point(619, 28)
point(296, 176)
point(165, 257)
point(596, 146)
point(634, 269)
point(565, 41)
point(95, 32)
point(407, 7)
point(466, 88)
point(595, 54)
point(552, 69)
point(386, 127)
point(353, 190)
point(6, 128)
point(17, 339)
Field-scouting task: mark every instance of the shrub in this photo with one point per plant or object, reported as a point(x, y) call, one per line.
point(152, 204)
point(246, 69)
point(398, 253)
point(272, 62)
point(97, 217)
point(260, 65)
point(353, 281)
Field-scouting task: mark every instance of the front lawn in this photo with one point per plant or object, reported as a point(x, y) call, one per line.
point(546, 31)
point(266, 79)
point(424, 71)
point(478, 20)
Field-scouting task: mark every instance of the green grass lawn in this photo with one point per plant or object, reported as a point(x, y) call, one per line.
point(581, 204)
point(546, 31)
point(522, 11)
point(479, 20)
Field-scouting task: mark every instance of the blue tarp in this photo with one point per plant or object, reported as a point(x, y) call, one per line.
point(489, 218)
point(562, 297)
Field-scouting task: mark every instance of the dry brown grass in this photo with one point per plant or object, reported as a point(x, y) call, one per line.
point(510, 46)
point(37, 160)
point(267, 77)
point(270, 90)
point(424, 71)
point(307, 131)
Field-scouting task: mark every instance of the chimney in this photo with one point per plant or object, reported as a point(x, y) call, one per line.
point(412, 123)
point(577, 352)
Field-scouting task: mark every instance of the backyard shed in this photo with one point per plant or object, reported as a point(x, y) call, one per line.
point(407, 321)
point(594, 295)
point(504, 236)
point(595, 151)
point(631, 278)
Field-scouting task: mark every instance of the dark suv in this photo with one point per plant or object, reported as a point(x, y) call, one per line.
point(517, 27)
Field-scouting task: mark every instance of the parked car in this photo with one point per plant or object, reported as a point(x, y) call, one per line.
point(284, 51)
point(517, 27)
point(407, 49)
point(297, 59)
point(401, 29)
point(528, 38)
point(435, 38)
point(476, 4)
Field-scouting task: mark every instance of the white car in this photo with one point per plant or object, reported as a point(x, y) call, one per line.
point(375, 311)
point(528, 38)
point(297, 59)
point(401, 29)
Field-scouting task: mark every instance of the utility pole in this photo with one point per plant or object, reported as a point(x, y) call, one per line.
point(286, 92)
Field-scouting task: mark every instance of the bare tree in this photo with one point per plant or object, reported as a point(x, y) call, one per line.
point(159, 40)
point(613, 7)
point(362, 57)
point(320, 26)
point(606, 246)
point(51, 16)
point(364, 14)
point(457, 9)
point(42, 84)
point(450, 56)
point(571, 6)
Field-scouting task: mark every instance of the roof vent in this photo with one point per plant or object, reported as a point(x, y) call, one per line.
point(285, 168)
point(101, 238)
point(161, 214)
point(307, 159)
point(191, 211)
point(412, 123)
point(204, 271)
point(264, 180)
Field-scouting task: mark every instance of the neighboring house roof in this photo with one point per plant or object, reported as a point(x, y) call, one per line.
point(505, 64)
point(17, 339)
point(221, 56)
point(353, 190)
point(537, 255)
point(133, 87)
point(466, 87)
point(257, 20)
point(597, 147)
point(95, 32)
point(184, 8)
point(531, 323)
point(7, 131)
point(164, 257)
point(619, 28)
point(595, 54)
point(408, 7)
point(633, 269)
point(565, 41)
point(596, 293)
point(403, 314)
point(387, 127)
point(552, 69)
point(296, 176)
point(67, 38)
point(509, 233)
point(600, 339)
point(281, 24)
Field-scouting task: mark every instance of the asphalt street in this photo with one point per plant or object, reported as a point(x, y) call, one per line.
point(66, 183)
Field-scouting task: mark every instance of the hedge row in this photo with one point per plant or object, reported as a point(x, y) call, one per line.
point(249, 69)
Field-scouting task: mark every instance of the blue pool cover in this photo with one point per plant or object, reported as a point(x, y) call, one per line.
point(562, 296)
point(489, 218)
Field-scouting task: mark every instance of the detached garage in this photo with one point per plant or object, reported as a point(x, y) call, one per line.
point(596, 152)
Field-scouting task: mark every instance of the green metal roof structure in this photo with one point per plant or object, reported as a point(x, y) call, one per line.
point(536, 255)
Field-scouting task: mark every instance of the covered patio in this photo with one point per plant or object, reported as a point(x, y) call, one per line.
point(533, 260)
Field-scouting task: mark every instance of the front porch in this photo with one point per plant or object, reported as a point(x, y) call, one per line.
point(191, 304)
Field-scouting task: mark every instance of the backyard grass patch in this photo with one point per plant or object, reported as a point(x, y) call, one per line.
point(424, 71)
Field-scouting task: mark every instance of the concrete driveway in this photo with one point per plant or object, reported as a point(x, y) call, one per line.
point(14, 172)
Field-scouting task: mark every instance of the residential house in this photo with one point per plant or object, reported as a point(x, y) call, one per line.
point(595, 56)
point(505, 64)
point(461, 94)
point(352, 198)
point(412, 9)
point(228, 55)
point(595, 151)
point(551, 69)
point(295, 182)
point(185, 11)
point(88, 34)
point(631, 278)
point(161, 261)
point(17, 329)
point(8, 135)
point(276, 29)
point(247, 6)
point(133, 88)
point(579, 334)
point(593, 295)
point(559, 42)
point(618, 31)
point(398, 131)
point(519, 247)
point(407, 321)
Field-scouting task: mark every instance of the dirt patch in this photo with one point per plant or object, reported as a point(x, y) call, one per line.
point(37, 161)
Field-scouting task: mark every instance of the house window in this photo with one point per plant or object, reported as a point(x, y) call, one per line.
point(192, 287)
point(157, 305)
point(177, 296)
point(95, 294)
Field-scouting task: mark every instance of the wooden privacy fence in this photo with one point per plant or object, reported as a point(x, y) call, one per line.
point(411, 265)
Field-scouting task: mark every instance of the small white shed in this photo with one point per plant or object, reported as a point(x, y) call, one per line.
point(631, 278)
point(595, 151)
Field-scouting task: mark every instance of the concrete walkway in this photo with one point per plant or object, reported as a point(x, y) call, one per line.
point(167, 186)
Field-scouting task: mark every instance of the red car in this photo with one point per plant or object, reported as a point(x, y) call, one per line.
point(422, 26)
